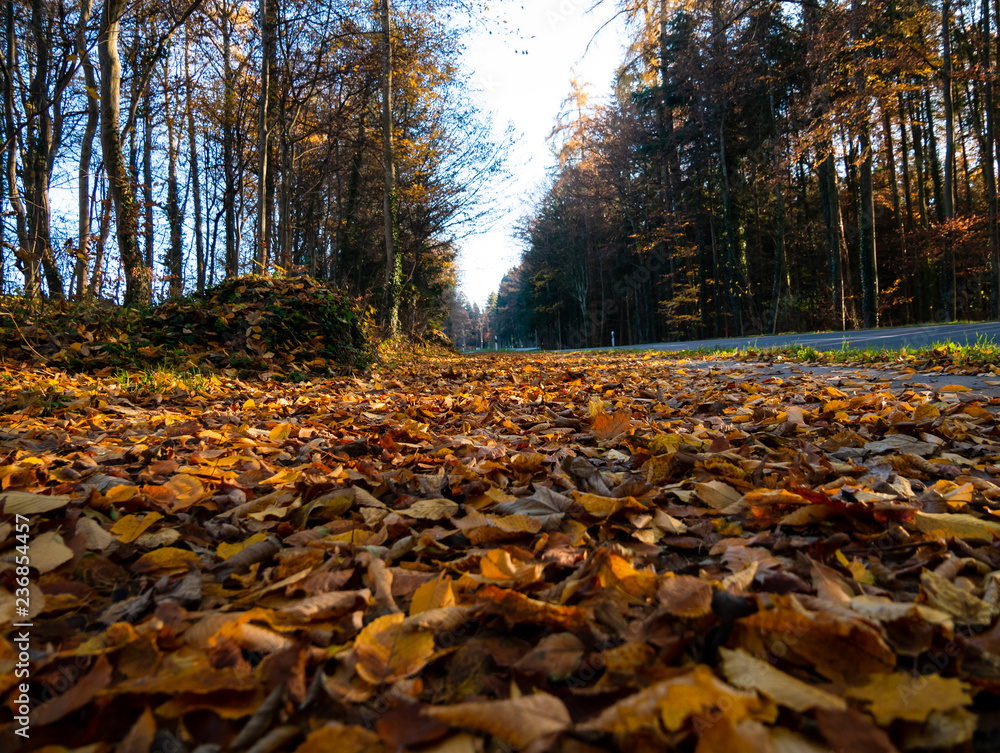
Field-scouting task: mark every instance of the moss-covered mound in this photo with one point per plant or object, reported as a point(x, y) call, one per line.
point(250, 324)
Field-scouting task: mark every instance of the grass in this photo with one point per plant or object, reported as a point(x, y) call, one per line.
point(983, 353)
point(153, 381)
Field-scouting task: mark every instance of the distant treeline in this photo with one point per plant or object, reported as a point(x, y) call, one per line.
point(769, 166)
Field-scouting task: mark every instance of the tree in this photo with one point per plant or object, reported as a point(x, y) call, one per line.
point(393, 262)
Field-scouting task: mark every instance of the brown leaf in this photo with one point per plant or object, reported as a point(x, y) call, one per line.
point(519, 721)
point(82, 692)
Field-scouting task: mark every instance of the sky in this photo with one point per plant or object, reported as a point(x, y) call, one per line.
point(521, 74)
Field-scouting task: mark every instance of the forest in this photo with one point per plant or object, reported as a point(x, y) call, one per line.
point(152, 149)
point(765, 167)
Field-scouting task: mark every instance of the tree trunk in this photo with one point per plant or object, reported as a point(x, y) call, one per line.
point(989, 174)
point(86, 150)
point(935, 162)
point(265, 177)
point(393, 260)
point(174, 261)
point(780, 262)
point(918, 166)
point(890, 157)
point(904, 153)
point(948, 204)
point(23, 261)
point(228, 147)
point(866, 192)
point(137, 274)
point(199, 241)
point(147, 177)
point(39, 157)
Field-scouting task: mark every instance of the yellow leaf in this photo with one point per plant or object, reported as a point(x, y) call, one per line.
point(959, 525)
point(387, 652)
point(120, 493)
point(227, 550)
point(596, 407)
point(167, 558)
point(664, 443)
point(285, 476)
point(26, 503)
point(280, 432)
point(603, 507)
point(954, 388)
point(498, 565)
point(249, 404)
point(528, 462)
point(434, 594)
point(913, 698)
point(131, 527)
point(926, 412)
point(672, 702)
point(617, 572)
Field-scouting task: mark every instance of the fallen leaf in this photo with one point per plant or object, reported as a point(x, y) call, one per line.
point(386, 652)
point(913, 698)
point(745, 671)
point(518, 721)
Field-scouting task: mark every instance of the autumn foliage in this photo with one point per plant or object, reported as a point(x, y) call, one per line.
point(555, 552)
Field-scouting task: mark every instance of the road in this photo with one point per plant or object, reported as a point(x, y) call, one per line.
point(912, 337)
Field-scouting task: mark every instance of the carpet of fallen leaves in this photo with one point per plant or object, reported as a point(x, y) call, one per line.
point(544, 552)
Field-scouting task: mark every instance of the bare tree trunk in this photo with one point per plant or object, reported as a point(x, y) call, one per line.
point(39, 157)
point(948, 205)
point(918, 166)
point(23, 260)
point(174, 260)
point(97, 273)
point(890, 156)
point(932, 154)
point(147, 177)
point(393, 261)
point(86, 151)
point(265, 178)
point(199, 241)
point(989, 174)
point(866, 203)
point(904, 153)
point(137, 274)
point(780, 262)
point(228, 147)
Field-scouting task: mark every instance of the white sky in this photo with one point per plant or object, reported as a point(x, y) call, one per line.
point(527, 90)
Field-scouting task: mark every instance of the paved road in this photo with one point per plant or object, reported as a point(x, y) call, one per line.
point(913, 337)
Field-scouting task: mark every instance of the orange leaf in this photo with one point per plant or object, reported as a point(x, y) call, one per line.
point(387, 652)
point(516, 607)
point(188, 489)
point(610, 425)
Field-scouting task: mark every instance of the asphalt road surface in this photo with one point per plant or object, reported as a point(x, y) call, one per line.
point(912, 337)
